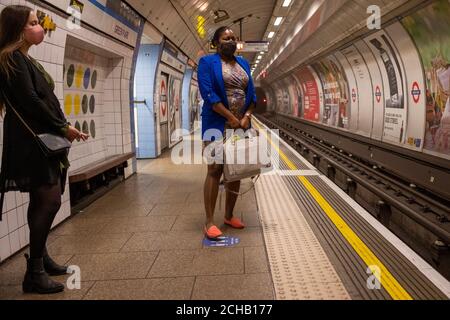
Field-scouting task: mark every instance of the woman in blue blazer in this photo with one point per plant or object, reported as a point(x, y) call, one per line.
point(226, 86)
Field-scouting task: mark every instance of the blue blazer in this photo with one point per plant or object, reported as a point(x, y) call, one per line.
point(212, 89)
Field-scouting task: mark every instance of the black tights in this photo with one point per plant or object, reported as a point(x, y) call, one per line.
point(45, 202)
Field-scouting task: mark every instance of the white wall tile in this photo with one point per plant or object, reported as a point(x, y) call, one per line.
point(10, 200)
point(23, 241)
point(14, 241)
point(5, 248)
point(12, 220)
point(4, 226)
point(20, 221)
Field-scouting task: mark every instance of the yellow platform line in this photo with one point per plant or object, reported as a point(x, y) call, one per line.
point(387, 280)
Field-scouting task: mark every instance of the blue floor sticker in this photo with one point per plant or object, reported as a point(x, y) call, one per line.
point(224, 241)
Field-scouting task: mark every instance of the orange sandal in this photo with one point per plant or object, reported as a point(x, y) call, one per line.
point(235, 223)
point(213, 232)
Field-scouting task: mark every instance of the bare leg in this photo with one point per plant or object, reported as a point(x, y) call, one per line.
point(231, 198)
point(210, 191)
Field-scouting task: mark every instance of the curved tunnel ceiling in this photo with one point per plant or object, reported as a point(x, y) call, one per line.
point(190, 23)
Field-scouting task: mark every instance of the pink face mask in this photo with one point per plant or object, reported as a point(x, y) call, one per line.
point(34, 34)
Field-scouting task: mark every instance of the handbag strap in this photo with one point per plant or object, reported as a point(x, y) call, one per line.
point(236, 193)
point(18, 115)
point(242, 193)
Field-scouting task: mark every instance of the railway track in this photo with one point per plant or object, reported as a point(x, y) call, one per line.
point(426, 209)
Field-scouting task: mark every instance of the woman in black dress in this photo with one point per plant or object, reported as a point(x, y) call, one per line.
point(29, 89)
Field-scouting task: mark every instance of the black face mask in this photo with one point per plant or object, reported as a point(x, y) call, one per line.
point(228, 48)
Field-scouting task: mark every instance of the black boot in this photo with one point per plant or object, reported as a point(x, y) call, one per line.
point(37, 280)
point(51, 267)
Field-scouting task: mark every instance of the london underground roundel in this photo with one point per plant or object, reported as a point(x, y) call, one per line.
point(163, 98)
point(415, 92)
point(378, 94)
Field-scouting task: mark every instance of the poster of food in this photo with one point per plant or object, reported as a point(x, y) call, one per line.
point(336, 110)
point(310, 108)
point(430, 30)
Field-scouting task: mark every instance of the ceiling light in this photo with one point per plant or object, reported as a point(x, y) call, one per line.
point(259, 57)
point(271, 34)
point(262, 52)
point(278, 21)
point(286, 3)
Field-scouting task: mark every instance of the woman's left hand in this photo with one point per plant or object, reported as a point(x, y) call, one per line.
point(245, 123)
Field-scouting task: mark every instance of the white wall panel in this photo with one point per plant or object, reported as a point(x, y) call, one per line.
point(352, 95)
point(377, 89)
point(391, 67)
point(364, 91)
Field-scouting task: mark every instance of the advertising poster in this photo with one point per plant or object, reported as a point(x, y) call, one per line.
point(377, 119)
point(289, 85)
point(298, 96)
point(193, 107)
point(299, 111)
point(430, 30)
point(349, 105)
point(286, 100)
point(415, 98)
point(163, 112)
point(174, 106)
point(365, 93)
point(389, 64)
point(336, 110)
point(279, 97)
point(311, 95)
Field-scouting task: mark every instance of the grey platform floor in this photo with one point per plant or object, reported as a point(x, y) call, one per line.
point(143, 240)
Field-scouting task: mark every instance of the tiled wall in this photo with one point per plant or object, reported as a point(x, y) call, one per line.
point(14, 233)
point(84, 104)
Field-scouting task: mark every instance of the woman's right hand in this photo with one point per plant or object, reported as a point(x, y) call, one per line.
point(73, 133)
point(234, 123)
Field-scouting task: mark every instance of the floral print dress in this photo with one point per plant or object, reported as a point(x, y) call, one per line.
point(236, 81)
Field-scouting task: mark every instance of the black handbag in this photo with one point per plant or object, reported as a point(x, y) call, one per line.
point(50, 144)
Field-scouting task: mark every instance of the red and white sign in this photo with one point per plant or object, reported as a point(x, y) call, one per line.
point(416, 92)
point(354, 95)
point(163, 98)
point(378, 94)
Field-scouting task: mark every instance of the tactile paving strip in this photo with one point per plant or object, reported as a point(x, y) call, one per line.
point(300, 267)
point(348, 264)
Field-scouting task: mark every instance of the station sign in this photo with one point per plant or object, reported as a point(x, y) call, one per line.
point(246, 46)
point(173, 57)
point(115, 18)
point(256, 46)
